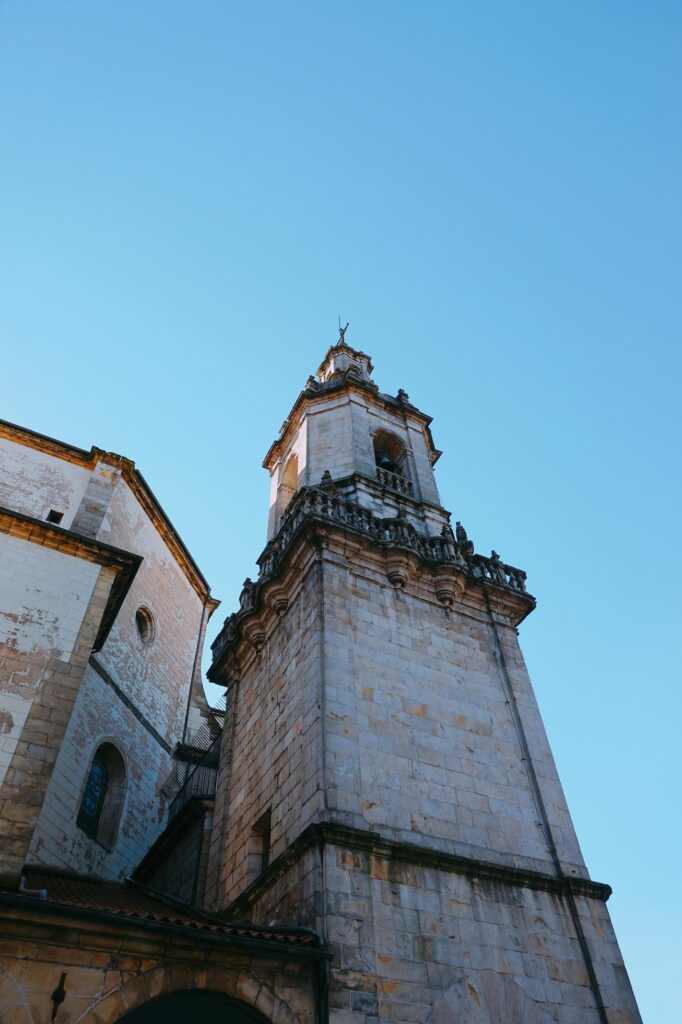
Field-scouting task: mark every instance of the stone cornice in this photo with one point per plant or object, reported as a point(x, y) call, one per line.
point(137, 483)
point(48, 535)
point(372, 843)
point(316, 391)
point(315, 513)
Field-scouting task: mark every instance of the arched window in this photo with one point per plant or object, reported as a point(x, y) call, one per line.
point(389, 453)
point(102, 801)
point(288, 484)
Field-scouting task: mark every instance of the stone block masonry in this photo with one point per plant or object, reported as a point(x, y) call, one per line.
point(426, 938)
point(426, 835)
point(70, 589)
point(110, 965)
point(47, 632)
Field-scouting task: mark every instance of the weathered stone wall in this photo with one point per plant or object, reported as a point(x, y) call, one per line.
point(138, 702)
point(33, 482)
point(155, 676)
point(420, 740)
point(273, 761)
point(424, 945)
point(428, 722)
point(99, 716)
point(111, 970)
point(43, 596)
point(51, 605)
point(421, 743)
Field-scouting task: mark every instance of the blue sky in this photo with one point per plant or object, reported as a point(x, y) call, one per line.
point(190, 193)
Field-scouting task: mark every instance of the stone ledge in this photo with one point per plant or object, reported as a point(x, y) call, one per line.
point(331, 834)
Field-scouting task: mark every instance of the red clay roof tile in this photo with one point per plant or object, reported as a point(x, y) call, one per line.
point(130, 902)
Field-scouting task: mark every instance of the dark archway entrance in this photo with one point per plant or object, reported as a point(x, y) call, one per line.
point(194, 1005)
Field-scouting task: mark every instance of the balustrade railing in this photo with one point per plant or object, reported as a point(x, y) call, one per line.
point(320, 505)
point(394, 481)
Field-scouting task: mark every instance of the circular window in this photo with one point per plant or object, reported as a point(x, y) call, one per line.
point(144, 620)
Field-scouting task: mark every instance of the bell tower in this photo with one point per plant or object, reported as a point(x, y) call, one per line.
point(378, 450)
point(385, 776)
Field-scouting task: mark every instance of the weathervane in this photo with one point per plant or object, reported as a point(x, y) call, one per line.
point(342, 333)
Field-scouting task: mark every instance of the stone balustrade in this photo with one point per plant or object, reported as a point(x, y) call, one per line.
point(394, 482)
point(315, 505)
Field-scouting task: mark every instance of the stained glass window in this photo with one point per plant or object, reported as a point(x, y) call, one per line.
point(94, 795)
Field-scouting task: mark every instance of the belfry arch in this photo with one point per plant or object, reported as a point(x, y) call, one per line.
point(390, 453)
point(288, 485)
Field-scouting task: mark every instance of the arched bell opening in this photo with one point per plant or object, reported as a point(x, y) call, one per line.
point(390, 456)
point(287, 486)
point(193, 1004)
point(389, 452)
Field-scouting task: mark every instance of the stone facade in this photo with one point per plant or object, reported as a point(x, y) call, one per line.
point(59, 595)
point(75, 671)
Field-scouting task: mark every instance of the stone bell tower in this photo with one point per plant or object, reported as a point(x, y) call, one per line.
point(385, 776)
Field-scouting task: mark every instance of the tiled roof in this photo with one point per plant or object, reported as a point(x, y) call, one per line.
point(129, 901)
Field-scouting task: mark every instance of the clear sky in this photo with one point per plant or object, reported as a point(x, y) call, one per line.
point(191, 192)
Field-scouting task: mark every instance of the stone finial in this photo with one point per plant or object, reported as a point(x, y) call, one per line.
point(462, 538)
point(246, 596)
point(402, 395)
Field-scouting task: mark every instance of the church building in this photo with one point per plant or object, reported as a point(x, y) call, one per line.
point(369, 830)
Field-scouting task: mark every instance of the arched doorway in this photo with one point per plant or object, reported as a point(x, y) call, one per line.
point(195, 1004)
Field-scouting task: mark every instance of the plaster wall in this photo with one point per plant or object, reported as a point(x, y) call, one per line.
point(33, 482)
point(155, 676)
point(44, 595)
point(100, 716)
